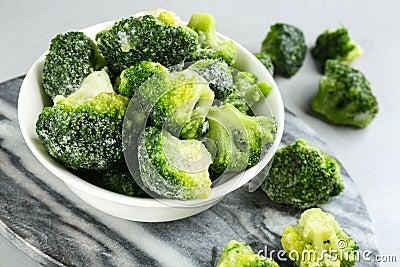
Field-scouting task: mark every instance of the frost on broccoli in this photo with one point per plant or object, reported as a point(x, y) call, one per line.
point(286, 46)
point(173, 168)
point(239, 254)
point(345, 96)
point(247, 92)
point(302, 176)
point(318, 240)
point(240, 140)
point(210, 45)
point(133, 77)
point(159, 39)
point(72, 56)
point(265, 59)
point(335, 45)
point(83, 131)
point(218, 74)
point(179, 102)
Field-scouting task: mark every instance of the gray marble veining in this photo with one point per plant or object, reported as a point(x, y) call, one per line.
point(44, 219)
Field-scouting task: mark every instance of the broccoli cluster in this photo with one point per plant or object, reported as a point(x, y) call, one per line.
point(90, 128)
point(126, 43)
point(335, 45)
point(318, 240)
point(302, 176)
point(345, 96)
point(210, 46)
point(72, 56)
point(265, 59)
point(286, 47)
point(239, 254)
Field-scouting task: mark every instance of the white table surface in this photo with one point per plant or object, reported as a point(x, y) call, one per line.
point(370, 155)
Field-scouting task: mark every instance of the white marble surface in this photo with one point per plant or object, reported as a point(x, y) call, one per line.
point(370, 155)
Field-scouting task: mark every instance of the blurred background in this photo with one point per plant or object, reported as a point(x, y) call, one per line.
point(370, 155)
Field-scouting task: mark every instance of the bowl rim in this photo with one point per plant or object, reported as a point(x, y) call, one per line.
point(71, 180)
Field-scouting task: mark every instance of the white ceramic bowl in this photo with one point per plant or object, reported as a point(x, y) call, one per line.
point(32, 100)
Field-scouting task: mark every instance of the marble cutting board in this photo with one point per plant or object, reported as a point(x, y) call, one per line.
point(40, 216)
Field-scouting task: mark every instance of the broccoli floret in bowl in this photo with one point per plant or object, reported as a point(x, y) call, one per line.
point(210, 45)
point(239, 254)
point(318, 240)
point(173, 168)
point(72, 57)
point(126, 43)
point(286, 46)
point(240, 140)
point(84, 130)
point(345, 96)
point(335, 45)
point(302, 176)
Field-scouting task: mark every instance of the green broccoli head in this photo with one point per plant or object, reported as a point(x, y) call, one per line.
point(72, 56)
point(318, 240)
point(246, 92)
point(335, 45)
point(126, 43)
point(218, 74)
point(238, 254)
point(133, 77)
point(265, 59)
point(173, 168)
point(286, 46)
point(210, 45)
point(240, 140)
point(345, 96)
point(179, 102)
point(302, 176)
point(83, 131)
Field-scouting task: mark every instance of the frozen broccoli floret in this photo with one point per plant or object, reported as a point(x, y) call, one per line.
point(218, 74)
point(318, 240)
point(302, 176)
point(345, 96)
point(179, 102)
point(72, 56)
point(133, 77)
point(335, 45)
point(159, 39)
point(117, 180)
point(240, 140)
point(83, 131)
point(238, 254)
point(265, 59)
point(286, 46)
point(210, 45)
point(246, 92)
point(174, 168)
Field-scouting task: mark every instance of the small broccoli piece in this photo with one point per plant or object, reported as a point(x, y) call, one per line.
point(72, 56)
point(318, 240)
point(159, 39)
point(218, 74)
point(302, 176)
point(265, 59)
point(133, 77)
point(117, 180)
point(174, 168)
point(345, 96)
point(246, 92)
point(238, 254)
point(210, 45)
point(286, 46)
point(335, 45)
point(240, 140)
point(83, 131)
point(179, 100)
